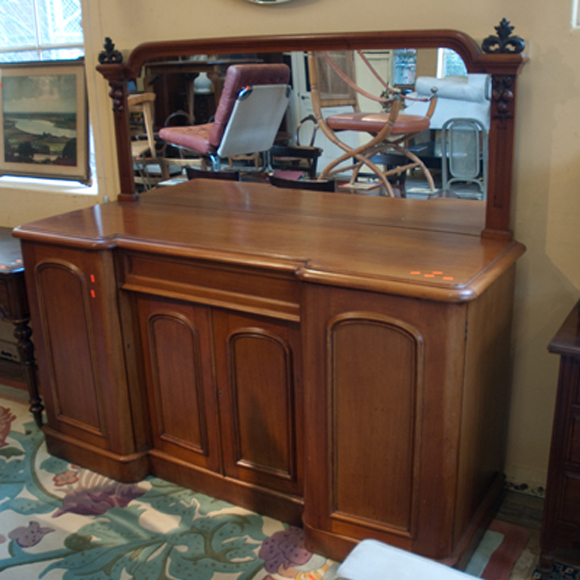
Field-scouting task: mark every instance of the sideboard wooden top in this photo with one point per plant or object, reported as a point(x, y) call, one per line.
point(428, 249)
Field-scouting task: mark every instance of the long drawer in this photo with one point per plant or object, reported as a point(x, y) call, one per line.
point(269, 292)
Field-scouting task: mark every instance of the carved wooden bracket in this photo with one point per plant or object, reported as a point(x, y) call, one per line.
point(503, 97)
point(117, 94)
point(504, 42)
point(109, 55)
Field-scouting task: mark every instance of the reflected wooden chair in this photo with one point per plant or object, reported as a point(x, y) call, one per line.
point(309, 184)
point(464, 153)
point(148, 168)
point(332, 79)
point(252, 105)
point(293, 157)
point(194, 173)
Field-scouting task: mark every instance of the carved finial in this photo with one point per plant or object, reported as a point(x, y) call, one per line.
point(110, 55)
point(503, 42)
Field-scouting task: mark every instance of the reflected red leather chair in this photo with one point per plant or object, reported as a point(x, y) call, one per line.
point(249, 113)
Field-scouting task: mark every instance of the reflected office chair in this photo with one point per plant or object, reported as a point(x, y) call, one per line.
point(332, 83)
point(252, 105)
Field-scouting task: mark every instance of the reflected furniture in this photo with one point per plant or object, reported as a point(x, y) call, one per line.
point(464, 157)
point(172, 82)
point(307, 184)
point(14, 309)
point(143, 146)
point(457, 96)
point(561, 521)
point(248, 117)
point(195, 173)
point(462, 116)
point(295, 158)
point(334, 360)
point(332, 84)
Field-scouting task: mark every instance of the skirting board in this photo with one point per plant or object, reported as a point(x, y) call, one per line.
point(527, 481)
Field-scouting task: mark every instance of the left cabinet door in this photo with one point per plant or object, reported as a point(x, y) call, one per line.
point(179, 375)
point(75, 315)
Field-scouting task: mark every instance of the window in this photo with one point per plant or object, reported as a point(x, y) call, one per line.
point(40, 30)
point(450, 63)
point(404, 66)
point(33, 30)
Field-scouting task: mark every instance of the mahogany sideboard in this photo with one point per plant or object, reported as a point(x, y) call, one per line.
point(561, 521)
point(335, 360)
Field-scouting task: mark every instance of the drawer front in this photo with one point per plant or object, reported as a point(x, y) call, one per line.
point(256, 290)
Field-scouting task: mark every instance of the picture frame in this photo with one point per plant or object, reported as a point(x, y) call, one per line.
point(44, 120)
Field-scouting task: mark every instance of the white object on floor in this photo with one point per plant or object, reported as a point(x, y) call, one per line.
point(373, 560)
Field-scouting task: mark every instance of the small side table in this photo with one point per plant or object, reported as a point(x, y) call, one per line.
point(14, 309)
point(561, 521)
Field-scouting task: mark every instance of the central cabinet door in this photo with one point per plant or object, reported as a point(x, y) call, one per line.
point(260, 400)
point(178, 365)
point(224, 391)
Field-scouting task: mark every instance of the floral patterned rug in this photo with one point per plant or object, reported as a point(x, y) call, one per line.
point(59, 521)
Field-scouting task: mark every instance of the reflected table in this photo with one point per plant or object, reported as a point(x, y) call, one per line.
point(168, 79)
point(14, 309)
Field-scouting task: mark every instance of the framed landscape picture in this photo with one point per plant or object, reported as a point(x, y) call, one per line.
point(44, 121)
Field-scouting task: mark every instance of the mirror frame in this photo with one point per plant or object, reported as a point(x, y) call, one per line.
point(501, 57)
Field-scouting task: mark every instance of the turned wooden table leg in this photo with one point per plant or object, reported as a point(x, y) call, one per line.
point(14, 309)
point(22, 334)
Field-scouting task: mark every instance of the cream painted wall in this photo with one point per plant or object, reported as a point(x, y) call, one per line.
point(547, 162)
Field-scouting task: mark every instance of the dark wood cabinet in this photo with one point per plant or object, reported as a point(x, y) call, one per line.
point(561, 521)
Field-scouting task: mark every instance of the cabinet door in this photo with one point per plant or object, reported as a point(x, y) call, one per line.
point(178, 367)
point(75, 312)
point(382, 419)
point(260, 398)
point(79, 345)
